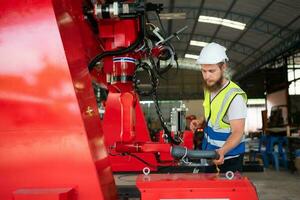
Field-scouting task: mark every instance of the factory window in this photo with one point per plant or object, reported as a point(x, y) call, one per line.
point(294, 79)
point(254, 120)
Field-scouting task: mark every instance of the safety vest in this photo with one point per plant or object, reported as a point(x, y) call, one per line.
point(216, 130)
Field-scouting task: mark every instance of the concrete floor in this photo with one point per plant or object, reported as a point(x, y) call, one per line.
point(270, 185)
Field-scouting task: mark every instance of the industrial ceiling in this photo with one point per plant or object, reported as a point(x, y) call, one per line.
point(271, 28)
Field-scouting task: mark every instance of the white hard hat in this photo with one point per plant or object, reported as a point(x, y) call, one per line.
point(212, 53)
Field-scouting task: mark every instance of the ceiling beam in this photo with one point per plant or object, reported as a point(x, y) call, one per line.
point(195, 24)
point(260, 25)
point(224, 17)
point(248, 27)
point(269, 40)
point(170, 27)
point(170, 22)
point(292, 41)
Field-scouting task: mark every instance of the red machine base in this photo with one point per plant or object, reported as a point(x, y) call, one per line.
point(195, 186)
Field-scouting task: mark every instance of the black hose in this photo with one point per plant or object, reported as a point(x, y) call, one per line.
point(160, 71)
point(136, 157)
point(161, 24)
point(152, 76)
point(162, 121)
point(182, 152)
point(132, 47)
point(153, 92)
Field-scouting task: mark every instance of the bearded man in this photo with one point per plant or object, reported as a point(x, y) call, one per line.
point(225, 110)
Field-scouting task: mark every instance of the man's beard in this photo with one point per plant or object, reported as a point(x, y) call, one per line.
point(215, 87)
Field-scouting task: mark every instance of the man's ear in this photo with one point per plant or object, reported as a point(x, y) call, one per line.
point(224, 66)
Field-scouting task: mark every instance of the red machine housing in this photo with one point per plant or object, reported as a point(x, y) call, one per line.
point(195, 186)
point(124, 123)
point(51, 138)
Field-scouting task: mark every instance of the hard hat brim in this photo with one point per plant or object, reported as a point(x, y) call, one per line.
point(206, 62)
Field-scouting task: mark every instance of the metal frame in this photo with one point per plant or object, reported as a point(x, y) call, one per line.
point(283, 28)
point(170, 22)
point(289, 43)
point(225, 17)
point(287, 37)
point(260, 25)
point(252, 22)
point(195, 24)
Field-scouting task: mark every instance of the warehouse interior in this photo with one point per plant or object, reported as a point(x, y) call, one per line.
point(260, 61)
point(98, 98)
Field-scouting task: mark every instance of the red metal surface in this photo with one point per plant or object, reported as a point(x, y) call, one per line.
point(188, 139)
point(195, 186)
point(112, 130)
point(117, 33)
point(128, 102)
point(123, 120)
point(50, 133)
point(45, 194)
point(149, 147)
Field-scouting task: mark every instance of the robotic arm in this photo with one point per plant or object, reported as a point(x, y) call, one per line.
point(129, 42)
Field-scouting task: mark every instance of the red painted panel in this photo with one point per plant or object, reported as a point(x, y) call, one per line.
point(50, 132)
point(195, 186)
point(112, 129)
point(45, 194)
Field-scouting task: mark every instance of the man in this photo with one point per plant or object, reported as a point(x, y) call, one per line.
point(225, 110)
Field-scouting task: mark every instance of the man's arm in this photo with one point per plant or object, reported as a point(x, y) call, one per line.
point(237, 127)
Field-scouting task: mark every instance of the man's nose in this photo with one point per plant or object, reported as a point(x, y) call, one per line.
point(206, 76)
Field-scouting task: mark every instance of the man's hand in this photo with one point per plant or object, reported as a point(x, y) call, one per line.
point(196, 123)
point(220, 161)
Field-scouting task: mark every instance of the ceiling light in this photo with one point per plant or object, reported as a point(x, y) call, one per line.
point(191, 56)
point(221, 21)
point(172, 15)
point(198, 43)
